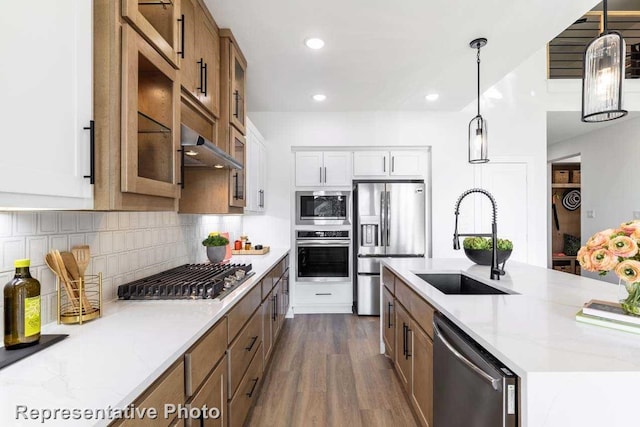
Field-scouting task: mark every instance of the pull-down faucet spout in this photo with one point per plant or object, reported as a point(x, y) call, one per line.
point(495, 271)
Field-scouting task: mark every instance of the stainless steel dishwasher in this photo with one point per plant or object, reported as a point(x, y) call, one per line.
point(471, 388)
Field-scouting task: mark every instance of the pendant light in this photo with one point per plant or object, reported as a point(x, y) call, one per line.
point(478, 125)
point(603, 76)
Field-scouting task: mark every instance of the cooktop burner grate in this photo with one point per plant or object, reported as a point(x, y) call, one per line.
point(189, 281)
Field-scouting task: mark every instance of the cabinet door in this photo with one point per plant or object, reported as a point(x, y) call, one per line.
point(337, 168)
point(403, 348)
point(252, 173)
point(422, 388)
point(370, 163)
point(408, 163)
point(238, 107)
point(46, 103)
point(309, 168)
point(262, 176)
point(286, 294)
point(213, 394)
point(388, 323)
point(150, 119)
point(208, 52)
point(158, 22)
point(237, 183)
point(189, 67)
point(277, 308)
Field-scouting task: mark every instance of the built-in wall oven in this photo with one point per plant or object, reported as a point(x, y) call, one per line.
point(323, 207)
point(323, 256)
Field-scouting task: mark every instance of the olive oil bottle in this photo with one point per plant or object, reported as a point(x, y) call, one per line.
point(21, 308)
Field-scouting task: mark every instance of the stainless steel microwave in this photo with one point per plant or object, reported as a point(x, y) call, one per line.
point(323, 207)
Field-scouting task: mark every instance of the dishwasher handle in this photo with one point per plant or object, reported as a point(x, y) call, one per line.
point(495, 382)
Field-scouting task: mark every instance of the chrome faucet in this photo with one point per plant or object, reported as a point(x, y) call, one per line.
point(495, 271)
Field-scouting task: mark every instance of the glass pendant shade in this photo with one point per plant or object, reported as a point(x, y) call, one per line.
point(604, 61)
point(478, 145)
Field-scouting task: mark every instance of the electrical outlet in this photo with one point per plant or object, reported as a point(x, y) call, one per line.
point(591, 214)
point(636, 214)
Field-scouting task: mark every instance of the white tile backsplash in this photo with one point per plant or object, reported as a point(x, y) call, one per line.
point(124, 245)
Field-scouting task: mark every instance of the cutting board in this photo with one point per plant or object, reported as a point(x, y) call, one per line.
point(264, 250)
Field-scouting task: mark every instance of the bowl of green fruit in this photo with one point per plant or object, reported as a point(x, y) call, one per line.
point(478, 249)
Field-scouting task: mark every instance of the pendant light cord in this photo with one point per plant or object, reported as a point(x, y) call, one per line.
point(478, 60)
point(604, 11)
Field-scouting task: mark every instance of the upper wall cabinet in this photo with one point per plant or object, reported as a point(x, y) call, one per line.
point(320, 169)
point(233, 81)
point(158, 21)
point(46, 104)
point(400, 163)
point(150, 119)
point(199, 63)
point(255, 170)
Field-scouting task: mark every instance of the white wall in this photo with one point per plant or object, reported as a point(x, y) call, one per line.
point(124, 245)
point(517, 126)
point(610, 158)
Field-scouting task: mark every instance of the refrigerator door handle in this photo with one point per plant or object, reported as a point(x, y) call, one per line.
point(382, 219)
point(388, 200)
point(493, 381)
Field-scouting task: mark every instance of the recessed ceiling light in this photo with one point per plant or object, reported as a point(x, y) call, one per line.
point(218, 166)
point(191, 153)
point(432, 97)
point(314, 43)
point(319, 97)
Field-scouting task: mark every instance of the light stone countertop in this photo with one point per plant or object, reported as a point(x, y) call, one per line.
point(573, 374)
point(110, 361)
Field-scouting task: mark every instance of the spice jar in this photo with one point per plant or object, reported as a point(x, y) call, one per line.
point(247, 245)
point(237, 245)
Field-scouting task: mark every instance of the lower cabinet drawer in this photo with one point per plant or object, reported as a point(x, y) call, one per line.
point(204, 355)
point(167, 390)
point(242, 350)
point(324, 294)
point(421, 310)
point(242, 311)
point(211, 401)
point(246, 394)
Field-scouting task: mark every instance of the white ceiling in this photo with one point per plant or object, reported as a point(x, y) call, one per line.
point(384, 54)
point(563, 125)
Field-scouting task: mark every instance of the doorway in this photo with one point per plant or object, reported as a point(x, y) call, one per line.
point(565, 207)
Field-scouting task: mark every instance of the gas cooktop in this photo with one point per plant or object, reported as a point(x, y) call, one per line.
point(189, 281)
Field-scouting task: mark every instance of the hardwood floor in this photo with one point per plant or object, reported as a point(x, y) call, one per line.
point(327, 371)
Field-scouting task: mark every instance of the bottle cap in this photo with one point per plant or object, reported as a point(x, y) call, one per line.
point(19, 263)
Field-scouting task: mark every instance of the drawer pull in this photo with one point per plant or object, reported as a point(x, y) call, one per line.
point(253, 342)
point(324, 293)
point(255, 383)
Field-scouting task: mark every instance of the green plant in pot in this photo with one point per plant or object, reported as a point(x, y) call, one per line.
point(478, 249)
point(216, 247)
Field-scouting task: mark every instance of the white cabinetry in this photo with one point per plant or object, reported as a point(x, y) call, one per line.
point(319, 169)
point(398, 163)
point(256, 170)
point(46, 103)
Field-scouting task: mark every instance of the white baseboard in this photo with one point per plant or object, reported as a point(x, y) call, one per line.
point(323, 309)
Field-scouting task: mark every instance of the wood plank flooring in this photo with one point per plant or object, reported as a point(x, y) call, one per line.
point(326, 370)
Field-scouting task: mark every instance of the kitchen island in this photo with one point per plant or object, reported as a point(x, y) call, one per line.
point(572, 374)
point(109, 362)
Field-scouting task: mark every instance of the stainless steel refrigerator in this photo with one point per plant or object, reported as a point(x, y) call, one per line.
point(389, 222)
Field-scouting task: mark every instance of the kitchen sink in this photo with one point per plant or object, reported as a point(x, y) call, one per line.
point(459, 284)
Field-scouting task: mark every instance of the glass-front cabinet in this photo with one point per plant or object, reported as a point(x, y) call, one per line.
point(150, 120)
point(160, 22)
point(237, 196)
point(238, 90)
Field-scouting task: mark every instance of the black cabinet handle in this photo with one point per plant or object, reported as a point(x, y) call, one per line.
point(206, 79)
point(92, 151)
point(255, 383)
point(253, 341)
point(384, 163)
point(236, 97)
point(181, 183)
point(275, 307)
point(404, 339)
point(181, 21)
point(202, 68)
point(325, 174)
point(389, 316)
point(235, 186)
point(393, 163)
point(408, 354)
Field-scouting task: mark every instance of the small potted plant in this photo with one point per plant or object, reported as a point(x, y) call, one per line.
point(216, 247)
point(478, 250)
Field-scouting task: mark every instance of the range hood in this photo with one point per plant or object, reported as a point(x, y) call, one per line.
point(199, 151)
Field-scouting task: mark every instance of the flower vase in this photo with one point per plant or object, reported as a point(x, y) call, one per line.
point(631, 304)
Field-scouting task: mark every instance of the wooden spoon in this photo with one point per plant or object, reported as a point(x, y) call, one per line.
point(72, 268)
point(52, 263)
point(82, 255)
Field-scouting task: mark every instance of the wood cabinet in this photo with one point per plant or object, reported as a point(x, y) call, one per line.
point(46, 104)
point(246, 395)
point(318, 169)
point(256, 170)
point(213, 394)
point(233, 81)
point(397, 163)
point(158, 22)
point(204, 355)
point(150, 120)
point(237, 181)
point(242, 350)
point(412, 348)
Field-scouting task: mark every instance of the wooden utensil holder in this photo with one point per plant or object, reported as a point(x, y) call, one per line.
point(74, 296)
